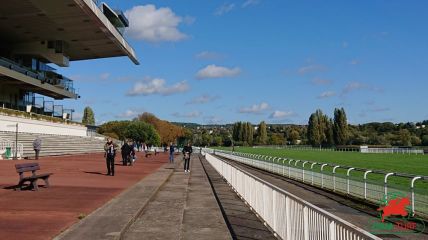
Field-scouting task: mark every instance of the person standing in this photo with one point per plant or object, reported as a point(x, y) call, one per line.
point(187, 151)
point(37, 146)
point(110, 153)
point(126, 151)
point(171, 152)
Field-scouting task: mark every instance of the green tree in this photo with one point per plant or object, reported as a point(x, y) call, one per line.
point(405, 137)
point(250, 133)
point(340, 129)
point(143, 132)
point(115, 129)
point(425, 140)
point(317, 127)
point(329, 131)
point(293, 136)
point(88, 116)
point(262, 133)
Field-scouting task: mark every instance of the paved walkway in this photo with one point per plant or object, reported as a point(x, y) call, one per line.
point(184, 208)
point(169, 204)
point(78, 187)
point(243, 223)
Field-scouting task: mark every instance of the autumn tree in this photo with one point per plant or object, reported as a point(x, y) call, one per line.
point(168, 132)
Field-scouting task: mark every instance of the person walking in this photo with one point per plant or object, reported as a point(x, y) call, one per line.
point(37, 146)
point(126, 151)
point(171, 152)
point(110, 152)
point(187, 151)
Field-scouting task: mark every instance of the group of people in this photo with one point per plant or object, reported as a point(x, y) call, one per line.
point(128, 154)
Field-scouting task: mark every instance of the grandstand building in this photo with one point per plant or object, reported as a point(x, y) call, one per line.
point(36, 37)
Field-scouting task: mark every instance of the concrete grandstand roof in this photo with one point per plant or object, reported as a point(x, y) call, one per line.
point(79, 23)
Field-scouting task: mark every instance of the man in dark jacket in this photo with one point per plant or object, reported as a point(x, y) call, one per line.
point(187, 151)
point(110, 152)
point(126, 151)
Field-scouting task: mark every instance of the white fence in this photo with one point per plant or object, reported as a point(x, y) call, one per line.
point(392, 150)
point(4, 144)
point(363, 188)
point(290, 217)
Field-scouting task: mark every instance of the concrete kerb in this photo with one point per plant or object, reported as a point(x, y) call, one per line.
point(114, 218)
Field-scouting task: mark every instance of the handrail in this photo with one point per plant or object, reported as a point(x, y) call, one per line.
point(335, 223)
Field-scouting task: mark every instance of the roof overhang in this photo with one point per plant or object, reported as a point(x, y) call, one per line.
point(80, 23)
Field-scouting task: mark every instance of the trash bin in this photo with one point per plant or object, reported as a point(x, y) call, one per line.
point(8, 153)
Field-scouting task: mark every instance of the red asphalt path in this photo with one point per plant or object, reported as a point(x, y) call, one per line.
point(79, 186)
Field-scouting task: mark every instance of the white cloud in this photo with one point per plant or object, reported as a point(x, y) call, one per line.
point(281, 114)
point(356, 86)
point(194, 114)
point(206, 55)
point(327, 94)
point(311, 68)
point(157, 86)
point(354, 62)
point(345, 44)
point(154, 25)
point(104, 76)
point(213, 120)
point(255, 109)
point(248, 3)
point(225, 8)
point(213, 71)
point(321, 81)
point(203, 99)
point(128, 114)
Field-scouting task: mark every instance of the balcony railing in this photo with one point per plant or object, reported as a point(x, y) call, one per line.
point(44, 76)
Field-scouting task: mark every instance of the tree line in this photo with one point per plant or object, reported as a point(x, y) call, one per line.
point(146, 128)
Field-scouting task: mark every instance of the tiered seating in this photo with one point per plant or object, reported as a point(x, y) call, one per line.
point(56, 144)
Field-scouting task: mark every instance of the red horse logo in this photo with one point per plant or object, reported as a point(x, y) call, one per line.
point(395, 206)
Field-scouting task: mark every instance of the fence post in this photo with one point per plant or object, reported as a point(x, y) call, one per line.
point(312, 170)
point(283, 166)
point(288, 217)
point(303, 170)
point(412, 187)
point(334, 177)
point(273, 161)
point(322, 175)
point(365, 183)
point(386, 184)
point(295, 164)
point(332, 230)
point(289, 163)
point(347, 176)
point(305, 223)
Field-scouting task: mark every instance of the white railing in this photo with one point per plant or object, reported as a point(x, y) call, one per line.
point(365, 187)
point(289, 216)
point(4, 144)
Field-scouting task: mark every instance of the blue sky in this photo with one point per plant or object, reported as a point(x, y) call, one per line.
point(253, 60)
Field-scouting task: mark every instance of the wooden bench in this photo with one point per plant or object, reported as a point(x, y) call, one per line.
point(31, 167)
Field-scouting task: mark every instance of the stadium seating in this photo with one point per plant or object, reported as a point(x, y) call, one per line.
point(56, 144)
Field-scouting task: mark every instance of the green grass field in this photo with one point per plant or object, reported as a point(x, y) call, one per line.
point(410, 164)
point(397, 163)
